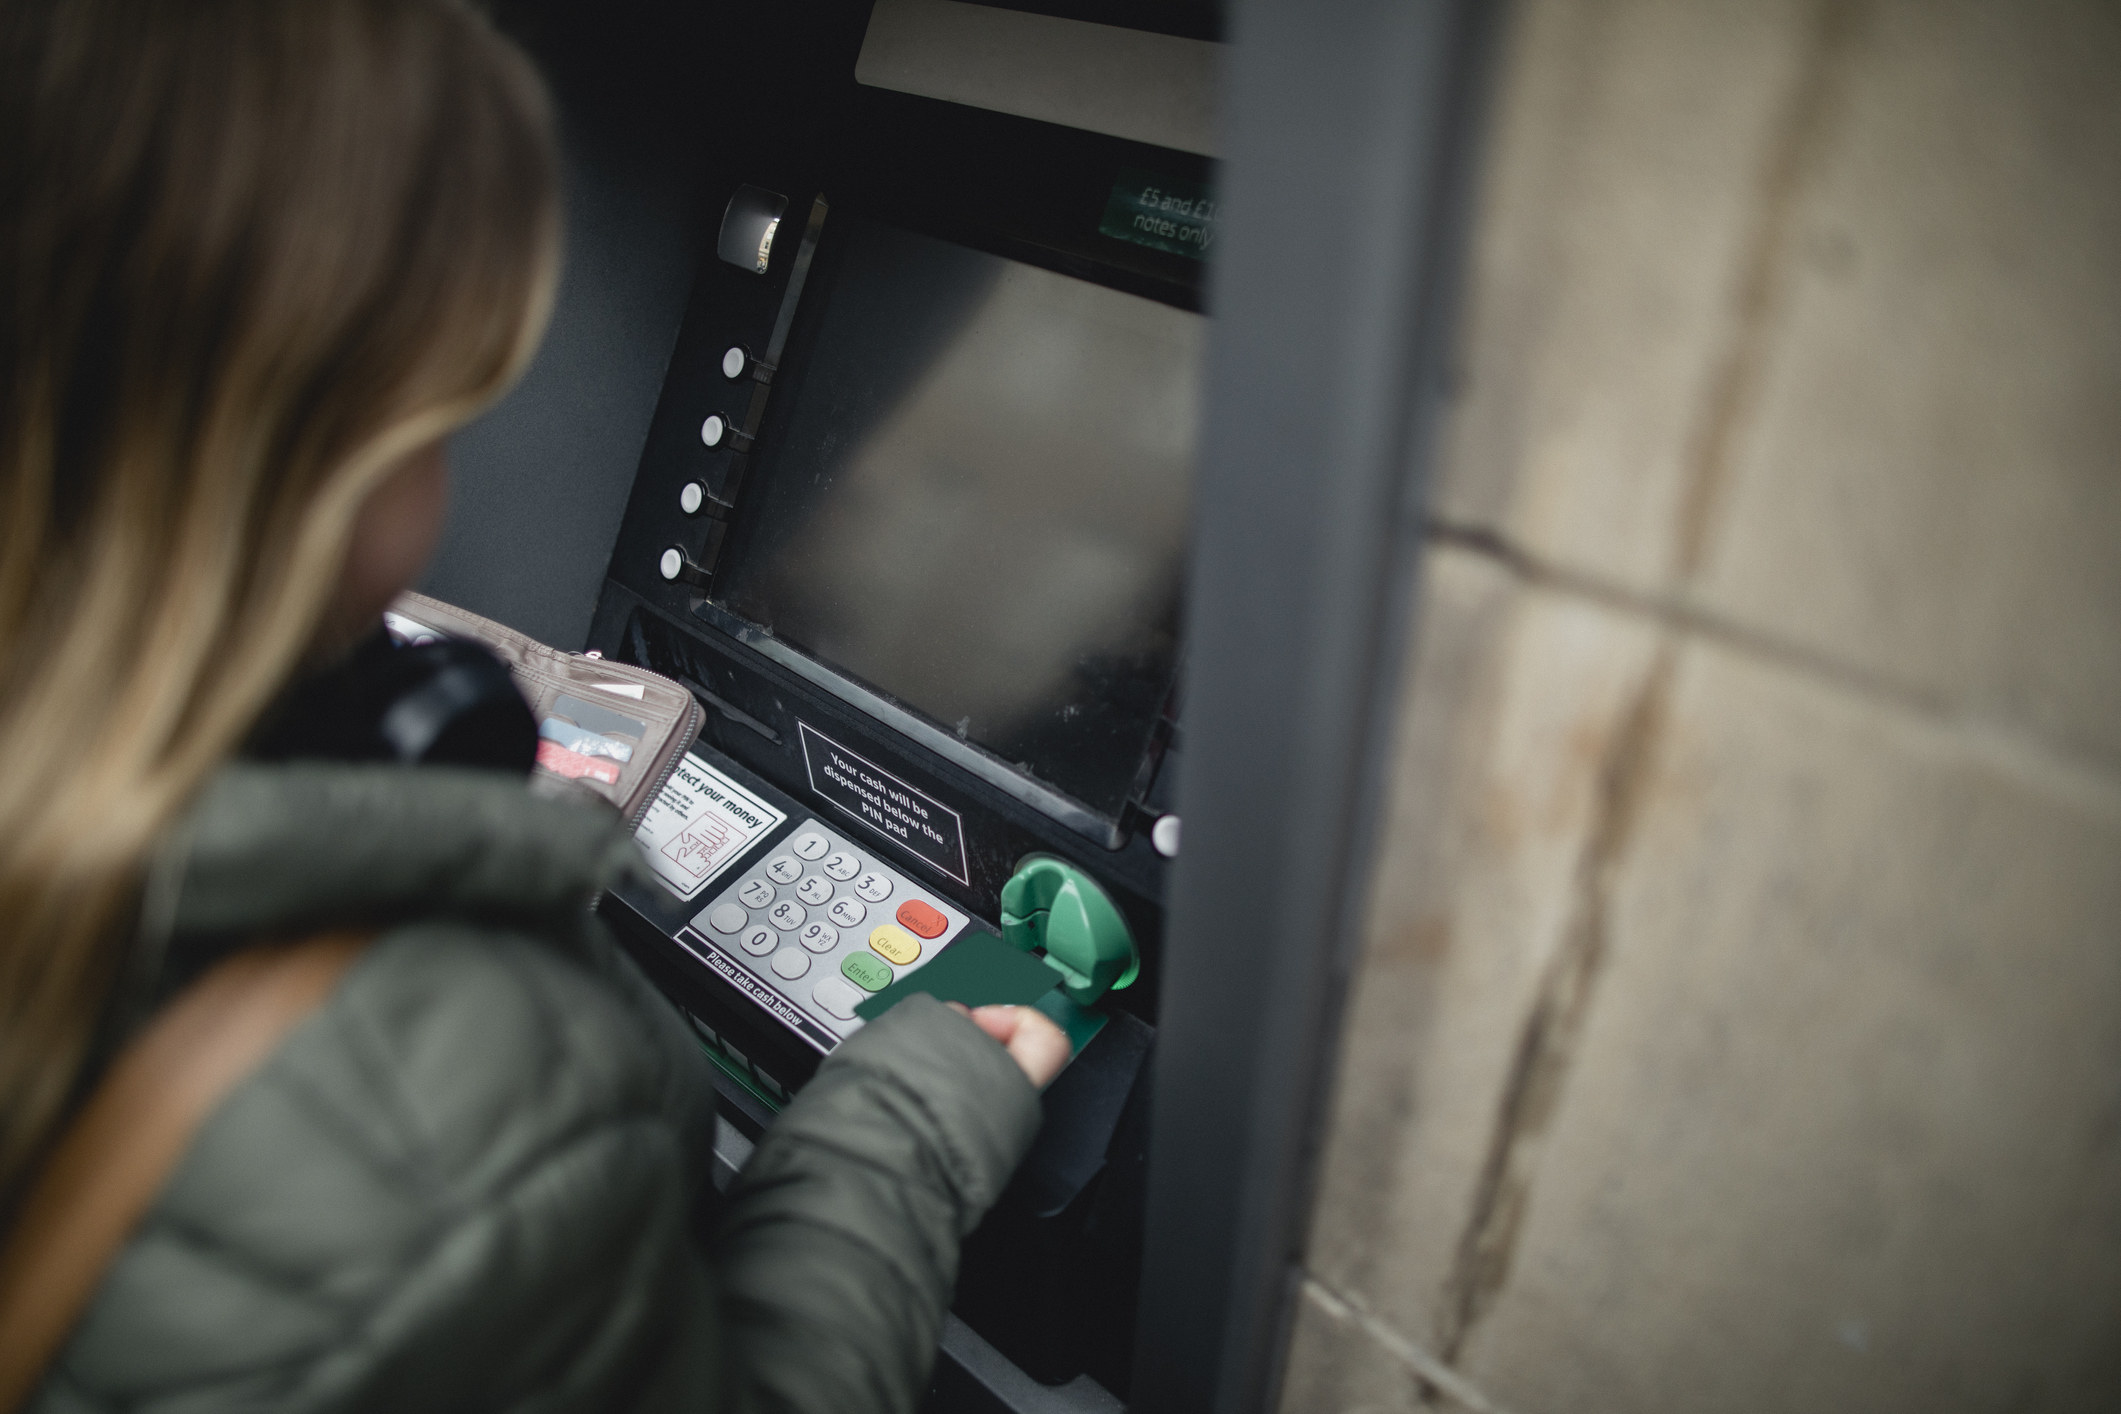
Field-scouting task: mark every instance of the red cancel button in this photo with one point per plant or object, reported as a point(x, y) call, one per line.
point(922, 919)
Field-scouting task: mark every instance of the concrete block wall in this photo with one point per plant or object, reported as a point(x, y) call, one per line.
point(1739, 1025)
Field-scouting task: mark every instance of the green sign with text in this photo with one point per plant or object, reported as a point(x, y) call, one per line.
point(1162, 213)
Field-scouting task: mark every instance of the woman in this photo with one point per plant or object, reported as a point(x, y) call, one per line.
point(260, 258)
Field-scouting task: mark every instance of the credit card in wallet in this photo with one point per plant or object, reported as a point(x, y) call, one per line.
point(584, 742)
point(979, 969)
point(573, 765)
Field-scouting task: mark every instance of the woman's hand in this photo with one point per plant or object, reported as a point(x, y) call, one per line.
point(1036, 1045)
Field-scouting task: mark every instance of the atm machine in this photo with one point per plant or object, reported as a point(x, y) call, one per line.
point(932, 451)
point(911, 521)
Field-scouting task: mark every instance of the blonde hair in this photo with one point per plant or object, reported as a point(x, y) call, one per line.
point(252, 253)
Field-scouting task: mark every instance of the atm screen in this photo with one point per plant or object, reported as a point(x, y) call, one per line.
point(976, 500)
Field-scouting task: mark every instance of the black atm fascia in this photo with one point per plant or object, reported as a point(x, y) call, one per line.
point(1031, 193)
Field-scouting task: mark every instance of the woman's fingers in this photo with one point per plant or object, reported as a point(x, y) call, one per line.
point(1038, 1047)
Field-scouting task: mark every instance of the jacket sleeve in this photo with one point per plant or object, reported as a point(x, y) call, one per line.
point(838, 1247)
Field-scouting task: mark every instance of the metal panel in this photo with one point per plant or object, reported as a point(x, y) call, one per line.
point(1347, 133)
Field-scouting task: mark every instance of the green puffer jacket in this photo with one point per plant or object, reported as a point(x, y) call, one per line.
point(474, 1179)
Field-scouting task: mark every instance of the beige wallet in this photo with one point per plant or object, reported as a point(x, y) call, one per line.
point(611, 728)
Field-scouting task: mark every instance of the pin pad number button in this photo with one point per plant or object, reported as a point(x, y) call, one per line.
point(785, 869)
point(756, 893)
point(788, 914)
point(873, 886)
point(811, 845)
point(814, 890)
point(847, 912)
point(843, 866)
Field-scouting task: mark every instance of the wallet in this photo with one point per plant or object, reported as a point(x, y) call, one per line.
point(613, 729)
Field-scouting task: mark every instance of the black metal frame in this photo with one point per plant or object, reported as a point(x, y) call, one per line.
point(1354, 118)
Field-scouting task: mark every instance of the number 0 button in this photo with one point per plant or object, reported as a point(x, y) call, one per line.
point(866, 970)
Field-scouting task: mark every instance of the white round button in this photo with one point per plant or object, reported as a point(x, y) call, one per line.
point(691, 496)
point(756, 893)
point(814, 890)
point(873, 886)
point(673, 560)
point(1164, 835)
point(733, 362)
point(759, 941)
point(787, 915)
point(843, 865)
point(791, 963)
point(810, 844)
point(847, 912)
point(713, 429)
point(783, 869)
point(819, 937)
point(727, 918)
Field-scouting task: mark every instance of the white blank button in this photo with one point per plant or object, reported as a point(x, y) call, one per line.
point(671, 563)
point(727, 919)
point(791, 963)
point(733, 362)
point(691, 496)
point(712, 429)
point(1164, 835)
point(837, 997)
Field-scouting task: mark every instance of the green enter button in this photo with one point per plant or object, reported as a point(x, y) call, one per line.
point(867, 971)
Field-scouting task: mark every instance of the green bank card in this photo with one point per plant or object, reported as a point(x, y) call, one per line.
point(979, 969)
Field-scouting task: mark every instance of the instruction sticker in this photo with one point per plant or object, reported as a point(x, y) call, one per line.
point(699, 824)
point(906, 815)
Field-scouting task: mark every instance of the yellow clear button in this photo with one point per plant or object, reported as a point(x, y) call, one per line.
point(894, 944)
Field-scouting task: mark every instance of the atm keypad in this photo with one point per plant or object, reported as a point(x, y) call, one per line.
point(803, 924)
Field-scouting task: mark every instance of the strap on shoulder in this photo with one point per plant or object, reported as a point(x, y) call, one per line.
point(120, 1149)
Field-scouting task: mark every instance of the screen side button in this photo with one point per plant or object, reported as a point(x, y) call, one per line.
point(922, 919)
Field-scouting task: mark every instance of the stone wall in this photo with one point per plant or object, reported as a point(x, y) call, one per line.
point(1739, 1026)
